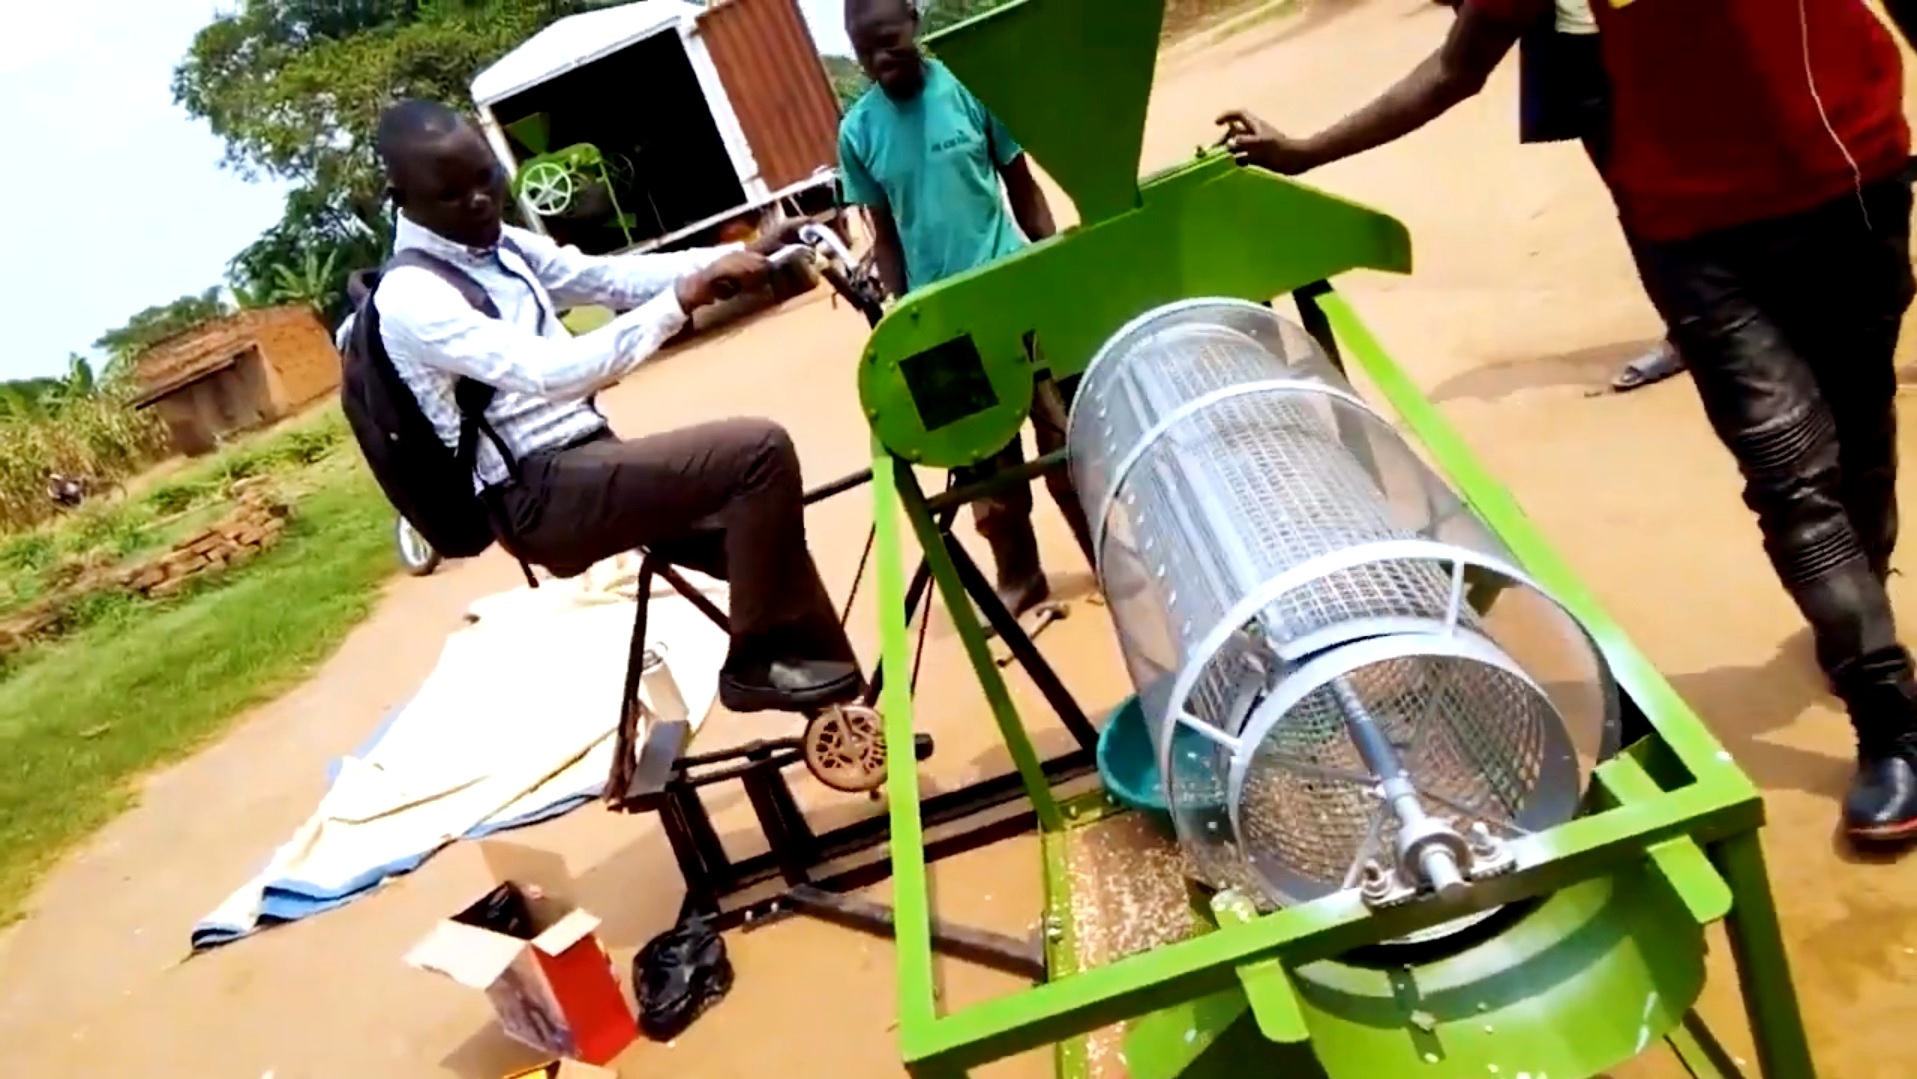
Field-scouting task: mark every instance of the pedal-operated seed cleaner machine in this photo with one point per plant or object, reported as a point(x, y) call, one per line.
point(1407, 802)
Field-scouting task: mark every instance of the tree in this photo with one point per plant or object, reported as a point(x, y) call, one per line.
point(313, 282)
point(294, 88)
point(157, 323)
point(28, 398)
point(319, 242)
point(79, 381)
point(936, 15)
point(848, 81)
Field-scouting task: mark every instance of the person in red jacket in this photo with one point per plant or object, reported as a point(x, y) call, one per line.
point(1759, 160)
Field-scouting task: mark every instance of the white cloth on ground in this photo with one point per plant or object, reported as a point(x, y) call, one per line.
point(473, 752)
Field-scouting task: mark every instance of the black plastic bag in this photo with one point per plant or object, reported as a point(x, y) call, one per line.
point(504, 910)
point(677, 976)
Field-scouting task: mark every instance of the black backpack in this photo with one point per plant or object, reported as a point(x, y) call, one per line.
point(429, 484)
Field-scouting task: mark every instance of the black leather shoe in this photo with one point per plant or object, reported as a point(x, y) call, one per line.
point(790, 686)
point(1882, 802)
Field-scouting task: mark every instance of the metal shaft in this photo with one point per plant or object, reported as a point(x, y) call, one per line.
point(1436, 864)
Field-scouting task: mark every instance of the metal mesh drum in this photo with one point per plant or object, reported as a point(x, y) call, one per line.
point(1349, 683)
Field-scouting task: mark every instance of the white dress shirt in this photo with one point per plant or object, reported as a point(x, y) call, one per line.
point(543, 373)
point(1574, 17)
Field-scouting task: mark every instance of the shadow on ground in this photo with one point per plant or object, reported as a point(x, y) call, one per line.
point(1743, 704)
point(1588, 369)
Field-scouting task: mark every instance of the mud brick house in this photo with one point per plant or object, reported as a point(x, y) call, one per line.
point(236, 373)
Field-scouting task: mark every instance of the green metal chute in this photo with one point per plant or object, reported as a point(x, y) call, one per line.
point(1025, 62)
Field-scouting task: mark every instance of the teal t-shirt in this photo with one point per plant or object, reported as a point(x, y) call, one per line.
point(933, 161)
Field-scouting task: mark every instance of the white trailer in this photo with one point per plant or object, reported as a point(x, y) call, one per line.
point(709, 120)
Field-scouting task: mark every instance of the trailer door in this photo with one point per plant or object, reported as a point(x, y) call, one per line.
point(777, 86)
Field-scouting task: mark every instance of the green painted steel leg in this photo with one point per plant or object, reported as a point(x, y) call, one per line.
point(911, 896)
point(1763, 970)
point(958, 604)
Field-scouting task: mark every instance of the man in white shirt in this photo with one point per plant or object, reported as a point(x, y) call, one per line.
point(723, 498)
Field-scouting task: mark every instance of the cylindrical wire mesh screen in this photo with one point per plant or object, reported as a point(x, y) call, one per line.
point(1289, 583)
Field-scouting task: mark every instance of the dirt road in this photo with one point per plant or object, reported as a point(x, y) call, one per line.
point(1522, 302)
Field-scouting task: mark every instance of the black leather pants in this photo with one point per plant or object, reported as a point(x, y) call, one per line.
point(1789, 326)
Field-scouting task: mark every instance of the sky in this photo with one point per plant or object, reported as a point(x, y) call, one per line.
point(114, 198)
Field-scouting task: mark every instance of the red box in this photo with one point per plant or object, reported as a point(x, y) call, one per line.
point(556, 992)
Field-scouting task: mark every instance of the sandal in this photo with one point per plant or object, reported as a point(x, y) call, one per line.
point(1654, 366)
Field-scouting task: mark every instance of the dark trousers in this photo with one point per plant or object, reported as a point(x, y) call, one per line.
point(721, 498)
point(1004, 520)
point(1790, 326)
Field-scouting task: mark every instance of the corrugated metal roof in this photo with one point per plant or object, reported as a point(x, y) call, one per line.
point(192, 354)
point(777, 84)
point(575, 41)
point(181, 381)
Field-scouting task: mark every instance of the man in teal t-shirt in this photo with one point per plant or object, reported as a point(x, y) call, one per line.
point(949, 190)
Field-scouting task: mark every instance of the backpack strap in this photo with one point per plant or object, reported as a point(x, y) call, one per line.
point(472, 396)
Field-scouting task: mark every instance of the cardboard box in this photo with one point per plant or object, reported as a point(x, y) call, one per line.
point(555, 991)
point(564, 1069)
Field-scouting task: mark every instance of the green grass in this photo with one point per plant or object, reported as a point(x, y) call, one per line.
point(143, 684)
point(113, 531)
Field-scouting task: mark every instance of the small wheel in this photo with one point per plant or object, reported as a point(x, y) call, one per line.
point(415, 554)
point(845, 749)
point(547, 187)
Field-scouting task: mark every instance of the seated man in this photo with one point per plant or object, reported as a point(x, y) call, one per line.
point(723, 498)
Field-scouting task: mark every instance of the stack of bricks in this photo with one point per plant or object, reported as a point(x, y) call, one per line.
point(254, 526)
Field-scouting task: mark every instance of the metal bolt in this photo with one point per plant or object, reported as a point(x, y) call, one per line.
point(1373, 881)
point(1482, 842)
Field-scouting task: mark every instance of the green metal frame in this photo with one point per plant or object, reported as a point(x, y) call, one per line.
point(584, 161)
point(1672, 822)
